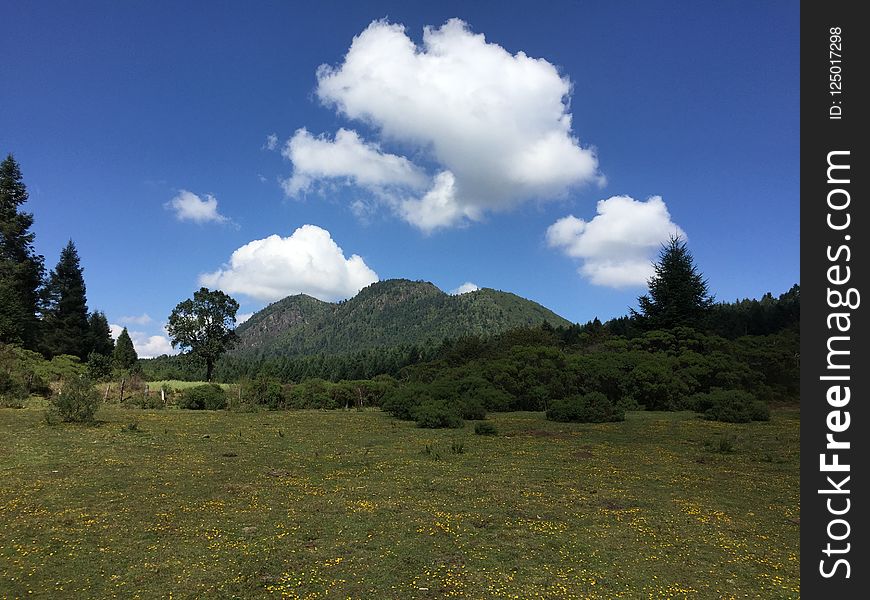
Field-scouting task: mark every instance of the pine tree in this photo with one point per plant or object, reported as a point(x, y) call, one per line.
point(21, 269)
point(124, 355)
point(678, 293)
point(100, 335)
point(66, 328)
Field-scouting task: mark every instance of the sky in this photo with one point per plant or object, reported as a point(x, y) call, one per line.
point(276, 148)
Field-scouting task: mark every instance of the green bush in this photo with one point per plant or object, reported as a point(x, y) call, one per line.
point(203, 397)
point(99, 367)
point(402, 401)
point(77, 401)
point(472, 409)
point(485, 428)
point(12, 392)
point(655, 386)
point(730, 406)
point(594, 407)
point(436, 414)
point(263, 391)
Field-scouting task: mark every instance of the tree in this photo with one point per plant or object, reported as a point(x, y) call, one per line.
point(677, 292)
point(21, 269)
point(205, 324)
point(100, 335)
point(124, 356)
point(66, 329)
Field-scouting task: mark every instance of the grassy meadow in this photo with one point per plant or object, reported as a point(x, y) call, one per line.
point(348, 504)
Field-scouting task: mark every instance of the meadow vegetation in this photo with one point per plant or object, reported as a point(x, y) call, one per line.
point(355, 504)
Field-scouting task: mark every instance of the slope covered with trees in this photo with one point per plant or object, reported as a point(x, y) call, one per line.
point(386, 314)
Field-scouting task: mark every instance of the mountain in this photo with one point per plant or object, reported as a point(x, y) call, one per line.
point(385, 314)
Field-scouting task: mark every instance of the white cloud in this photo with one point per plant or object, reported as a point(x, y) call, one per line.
point(190, 207)
point(146, 346)
point(271, 142)
point(142, 319)
point(618, 245)
point(242, 317)
point(345, 157)
point(465, 288)
point(439, 207)
point(494, 127)
point(307, 262)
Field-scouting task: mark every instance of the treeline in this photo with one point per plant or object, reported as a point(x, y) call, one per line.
point(291, 369)
point(43, 312)
point(679, 351)
point(47, 332)
point(581, 373)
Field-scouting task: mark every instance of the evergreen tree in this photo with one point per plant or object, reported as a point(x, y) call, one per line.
point(678, 293)
point(124, 355)
point(100, 335)
point(21, 269)
point(66, 329)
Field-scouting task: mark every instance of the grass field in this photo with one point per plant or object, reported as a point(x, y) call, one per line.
point(353, 504)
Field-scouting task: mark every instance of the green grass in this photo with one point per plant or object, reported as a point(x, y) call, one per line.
point(175, 384)
point(338, 504)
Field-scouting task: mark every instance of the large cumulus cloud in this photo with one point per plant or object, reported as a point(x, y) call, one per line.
point(306, 262)
point(489, 129)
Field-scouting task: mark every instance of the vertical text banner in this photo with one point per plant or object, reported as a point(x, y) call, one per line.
point(835, 437)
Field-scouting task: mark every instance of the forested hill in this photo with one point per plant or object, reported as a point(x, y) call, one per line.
point(385, 314)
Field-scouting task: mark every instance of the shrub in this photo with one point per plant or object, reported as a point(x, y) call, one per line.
point(436, 414)
point(594, 407)
point(99, 367)
point(485, 429)
point(402, 401)
point(472, 409)
point(655, 386)
point(77, 401)
point(264, 391)
point(12, 392)
point(203, 397)
point(731, 406)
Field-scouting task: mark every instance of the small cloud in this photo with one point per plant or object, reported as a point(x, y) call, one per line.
point(142, 319)
point(261, 178)
point(618, 245)
point(190, 207)
point(242, 317)
point(465, 288)
point(347, 158)
point(307, 262)
point(271, 142)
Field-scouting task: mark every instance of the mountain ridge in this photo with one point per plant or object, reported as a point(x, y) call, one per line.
point(384, 314)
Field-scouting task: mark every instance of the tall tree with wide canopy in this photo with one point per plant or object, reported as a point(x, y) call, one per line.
point(205, 325)
point(65, 326)
point(21, 269)
point(678, 294)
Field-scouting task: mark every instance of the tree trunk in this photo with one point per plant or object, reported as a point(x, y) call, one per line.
point(209, 366)
point(121, 394)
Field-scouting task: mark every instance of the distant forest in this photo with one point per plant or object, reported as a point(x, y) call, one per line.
point(749, 345)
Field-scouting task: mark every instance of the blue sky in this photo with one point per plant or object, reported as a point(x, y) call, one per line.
point(142, 130)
